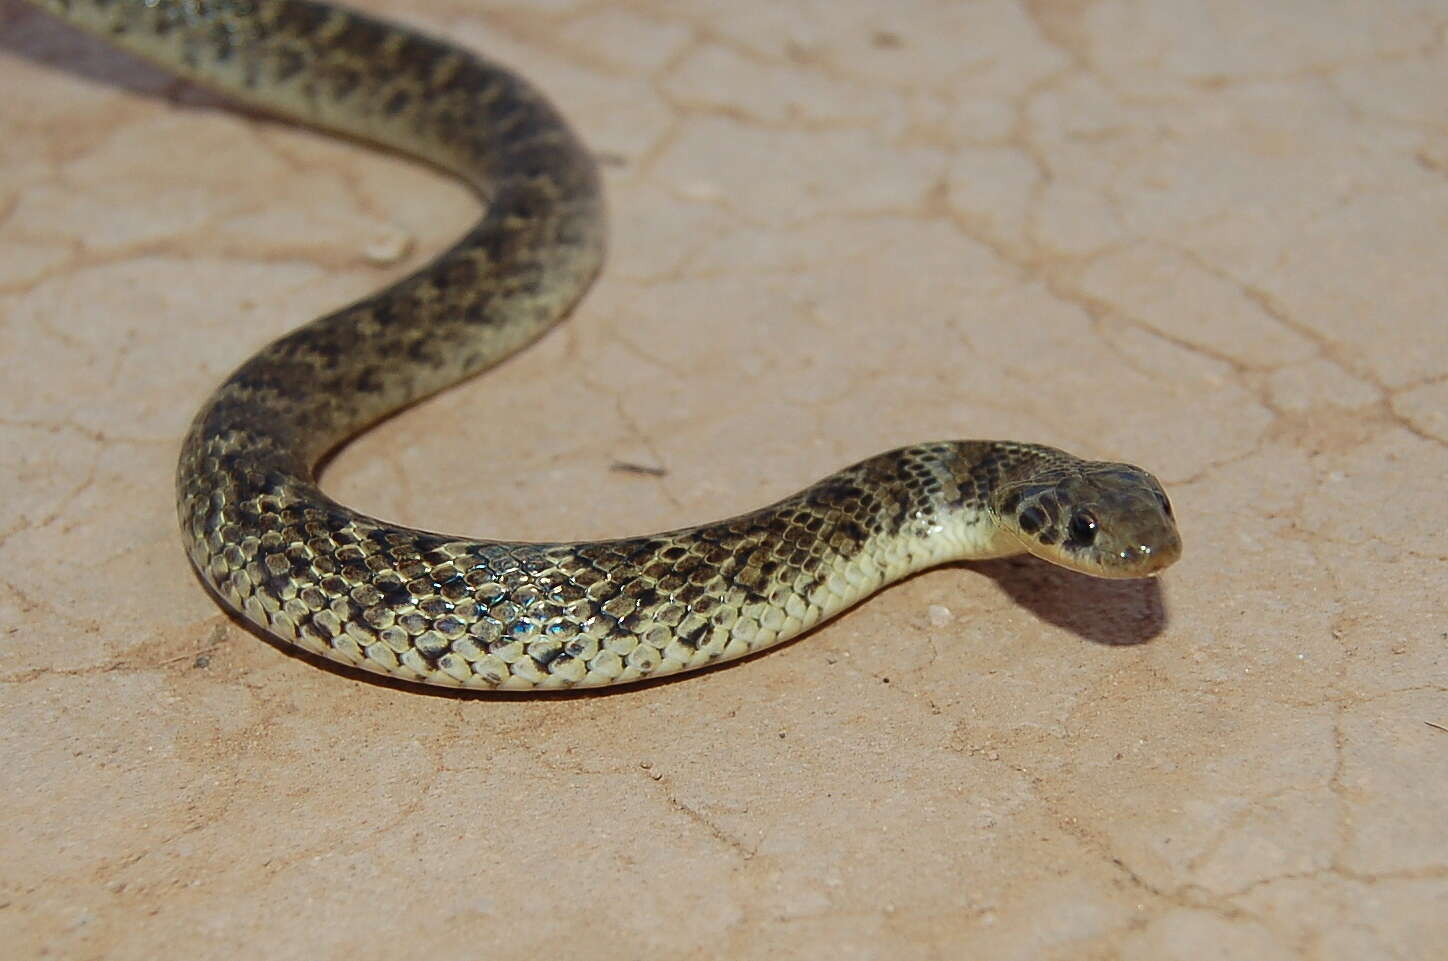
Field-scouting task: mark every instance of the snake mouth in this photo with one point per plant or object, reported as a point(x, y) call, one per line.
point(1135, 545)
point(1142, 560)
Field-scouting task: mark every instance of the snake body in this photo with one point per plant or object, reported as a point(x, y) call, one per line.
point(455, 611)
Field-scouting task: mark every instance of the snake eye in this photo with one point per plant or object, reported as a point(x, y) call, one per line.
point(1082, 528)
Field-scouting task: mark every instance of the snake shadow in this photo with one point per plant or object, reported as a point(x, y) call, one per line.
point(1118, 613)
point(39, 38)
point(42, 39)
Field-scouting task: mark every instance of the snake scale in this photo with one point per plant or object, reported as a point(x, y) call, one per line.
point(490, 614)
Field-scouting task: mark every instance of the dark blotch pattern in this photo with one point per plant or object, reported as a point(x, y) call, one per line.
point(1032, 519)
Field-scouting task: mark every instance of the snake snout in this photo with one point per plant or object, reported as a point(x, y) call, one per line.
point(1150, 555)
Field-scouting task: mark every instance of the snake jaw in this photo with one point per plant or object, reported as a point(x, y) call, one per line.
point(1102, 519)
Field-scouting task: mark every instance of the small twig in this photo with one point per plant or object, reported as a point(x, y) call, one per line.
point(1438, 726)
point(192, 656)
point(626, 467)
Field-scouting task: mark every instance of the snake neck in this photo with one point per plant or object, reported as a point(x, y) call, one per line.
point(950, 487)
point(902, 511)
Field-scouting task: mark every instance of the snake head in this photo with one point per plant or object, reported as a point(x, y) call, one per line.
point(1103, 519)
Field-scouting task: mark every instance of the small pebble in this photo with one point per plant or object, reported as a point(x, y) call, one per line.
point(388, 248)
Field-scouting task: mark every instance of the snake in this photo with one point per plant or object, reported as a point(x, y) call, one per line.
point(468, 612)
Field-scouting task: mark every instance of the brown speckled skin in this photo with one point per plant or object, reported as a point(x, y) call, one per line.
point(488, 614)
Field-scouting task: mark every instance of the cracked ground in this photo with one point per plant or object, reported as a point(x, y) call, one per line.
point(1207, 237)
